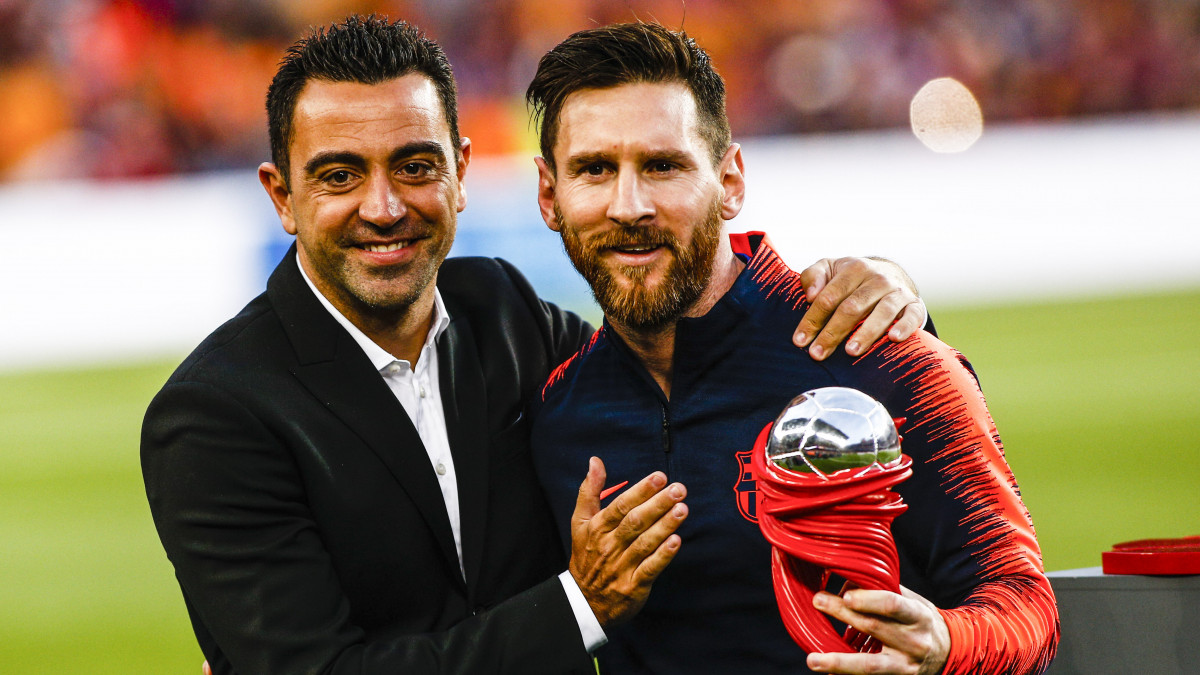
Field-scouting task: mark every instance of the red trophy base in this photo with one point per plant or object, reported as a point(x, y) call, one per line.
point(1154, 557)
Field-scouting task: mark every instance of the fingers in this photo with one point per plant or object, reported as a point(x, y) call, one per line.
point(910, 627)
point(626, 512)
point(618, 552)
point(871, 612)
point(898, 314)
point(657, 547)
point(838, 608)
point(913, 319)
point(205, 669)
point(844, 301)
point(866, 612)
point(874, 293)
point(635, 513)
point(845, 316)
point(643, 518)
point(882, 663)
point(587, 504)
point(817, 275)
point(873, 605)
point(813, 279)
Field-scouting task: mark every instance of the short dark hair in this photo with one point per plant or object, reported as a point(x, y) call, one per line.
point(625, 53)
point(368, 50)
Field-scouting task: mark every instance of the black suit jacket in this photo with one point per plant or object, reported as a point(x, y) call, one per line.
point(299, 508)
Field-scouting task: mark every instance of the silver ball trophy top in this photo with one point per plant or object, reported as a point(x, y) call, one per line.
point(832, 428)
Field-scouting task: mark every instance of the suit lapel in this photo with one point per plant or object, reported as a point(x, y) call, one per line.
point(337, 372)
point(464, 400)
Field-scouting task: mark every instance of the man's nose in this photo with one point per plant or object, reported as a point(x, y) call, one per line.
point(382, 205)
point(630, 199)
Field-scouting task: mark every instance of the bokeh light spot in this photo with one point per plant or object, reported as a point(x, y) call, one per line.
point(811, 73)
point(945, 116)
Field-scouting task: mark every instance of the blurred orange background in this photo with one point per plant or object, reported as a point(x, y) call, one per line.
point(133, 88)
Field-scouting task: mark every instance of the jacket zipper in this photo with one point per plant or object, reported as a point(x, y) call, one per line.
point(666, 440)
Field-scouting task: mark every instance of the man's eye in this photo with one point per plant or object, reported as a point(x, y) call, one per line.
point(338, 177)
point(414, 169)
point(594, 169)
point(662, 167)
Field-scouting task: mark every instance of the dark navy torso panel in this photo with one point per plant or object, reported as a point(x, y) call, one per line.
point(735, 369)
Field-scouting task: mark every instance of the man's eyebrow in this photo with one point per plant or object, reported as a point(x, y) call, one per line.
point(418, 148)
point(333, 157)
point(358, 162)
point(677, 156)
point(577, 162)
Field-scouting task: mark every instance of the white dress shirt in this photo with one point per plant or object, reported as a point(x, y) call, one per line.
point(420, 395)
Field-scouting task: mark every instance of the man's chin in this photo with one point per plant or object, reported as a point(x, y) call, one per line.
point(385, 304)
point(640, 279)
point(391, 292)
point(639, 308)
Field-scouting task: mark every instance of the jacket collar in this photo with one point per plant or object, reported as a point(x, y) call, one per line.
point(338, 373)
point(464, 403)
point(702, 342)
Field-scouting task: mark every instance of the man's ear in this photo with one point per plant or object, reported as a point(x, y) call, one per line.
point(546, 186)
point(281, 197)
point(733, 182)
point(463, 160)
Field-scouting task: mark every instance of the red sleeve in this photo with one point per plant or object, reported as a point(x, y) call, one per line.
point(1009, 622)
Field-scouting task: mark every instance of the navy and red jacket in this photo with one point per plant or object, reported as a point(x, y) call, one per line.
point(966, 542)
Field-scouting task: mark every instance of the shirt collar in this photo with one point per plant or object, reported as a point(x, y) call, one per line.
point(380, 358)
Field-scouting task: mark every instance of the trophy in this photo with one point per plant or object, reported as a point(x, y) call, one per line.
point(825, 468)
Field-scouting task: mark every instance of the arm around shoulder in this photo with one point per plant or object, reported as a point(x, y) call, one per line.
point(565, 331)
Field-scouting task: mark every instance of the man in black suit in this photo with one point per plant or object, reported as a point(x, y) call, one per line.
point(340, 474)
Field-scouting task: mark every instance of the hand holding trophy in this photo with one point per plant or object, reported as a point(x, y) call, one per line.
point(825, 468)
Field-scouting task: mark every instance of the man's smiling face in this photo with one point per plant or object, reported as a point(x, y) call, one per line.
point(637, 199)
point(374, 194)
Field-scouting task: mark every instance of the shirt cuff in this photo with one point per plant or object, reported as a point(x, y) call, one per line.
point(589, 626)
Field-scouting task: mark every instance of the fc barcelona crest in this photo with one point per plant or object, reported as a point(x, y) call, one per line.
point(746, 488)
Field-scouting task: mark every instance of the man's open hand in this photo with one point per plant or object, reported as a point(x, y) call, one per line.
point(617, 552)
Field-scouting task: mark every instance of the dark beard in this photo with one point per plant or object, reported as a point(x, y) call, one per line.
point(638, 307)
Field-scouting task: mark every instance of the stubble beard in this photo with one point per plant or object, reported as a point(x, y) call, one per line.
point(390, 291)
point(385, 294)
point(632, 304)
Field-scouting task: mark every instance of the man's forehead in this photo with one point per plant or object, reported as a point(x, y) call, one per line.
point(325, 109)
point(640, 114)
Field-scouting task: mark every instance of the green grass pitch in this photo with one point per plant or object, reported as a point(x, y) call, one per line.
point(1098, 404)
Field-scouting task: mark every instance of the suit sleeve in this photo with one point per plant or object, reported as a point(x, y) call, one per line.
point(968, 532)
point(230, 508)
point(565, 332)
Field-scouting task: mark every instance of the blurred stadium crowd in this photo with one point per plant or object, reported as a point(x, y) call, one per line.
point(134, 88)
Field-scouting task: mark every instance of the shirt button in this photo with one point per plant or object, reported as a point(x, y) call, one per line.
point(422, 391)
point(393, 368)
point(441, 469)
